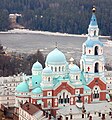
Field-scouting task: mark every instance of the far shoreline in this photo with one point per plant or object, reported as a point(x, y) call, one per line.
point(27, 31)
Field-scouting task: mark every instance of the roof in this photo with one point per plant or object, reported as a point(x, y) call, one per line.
point(98, 107)
point(22, 87)
point(47, 70)
point(36, 80)
point(90, 43)
point(39, 102)
point(82, 78)
point(31, 108)
point(56, 57)
point(73, 109)
point(73, 68)
point(93, 21)
point(37, 90)
point(107, 96)
point(86, 87)
point(37, 66)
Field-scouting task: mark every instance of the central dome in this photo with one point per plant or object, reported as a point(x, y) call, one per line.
point(55, 57)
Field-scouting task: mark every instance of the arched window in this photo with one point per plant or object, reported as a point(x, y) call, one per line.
point(63, 68)
point(96, 68)
point(95, 33)
point(84, 49)
point(59, 99)
point(76, 77)
point(82, 66)
point(64, 97)
point(67, 99)
point(96, 50)
point(59, 69)
point(96, 93)
point(48, 79)
point(52, 68)
point(55, 69)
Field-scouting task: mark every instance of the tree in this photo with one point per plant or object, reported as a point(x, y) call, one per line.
point(4, 20)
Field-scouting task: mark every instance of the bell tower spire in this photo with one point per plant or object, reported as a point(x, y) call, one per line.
point(93, 29)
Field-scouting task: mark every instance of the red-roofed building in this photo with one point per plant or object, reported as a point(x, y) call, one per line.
point(29, 111)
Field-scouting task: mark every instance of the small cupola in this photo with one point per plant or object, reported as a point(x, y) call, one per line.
point(36, 68)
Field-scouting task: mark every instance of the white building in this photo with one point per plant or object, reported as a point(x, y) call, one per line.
point(95, 110)
point(29, 111)
point(7, 90)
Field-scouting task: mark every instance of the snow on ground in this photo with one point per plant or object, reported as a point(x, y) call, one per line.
point(25, 31)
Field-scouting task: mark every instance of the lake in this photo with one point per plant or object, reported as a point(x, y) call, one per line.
point(71, 46)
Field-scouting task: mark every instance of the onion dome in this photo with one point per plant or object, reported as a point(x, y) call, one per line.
point(91, 43)
point(22, 87)
point(55, 57)
point(37, 90)
point(37, 66)
point(47, 70)
point(74, 68)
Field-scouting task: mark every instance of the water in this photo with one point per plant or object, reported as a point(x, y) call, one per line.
point(71, 46)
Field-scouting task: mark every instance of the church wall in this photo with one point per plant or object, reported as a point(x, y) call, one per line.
point(102, 96)
point(63, 86)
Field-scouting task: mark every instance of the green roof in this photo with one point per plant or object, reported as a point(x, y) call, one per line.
point(39, 102)
point(107, 96)
point(86, 87)
point(82, 78)
point(37, 90)
point(22, 87)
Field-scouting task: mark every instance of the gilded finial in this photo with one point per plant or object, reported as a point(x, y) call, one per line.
point(94, 9)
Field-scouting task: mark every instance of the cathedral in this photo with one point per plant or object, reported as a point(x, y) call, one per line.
point(61, 83)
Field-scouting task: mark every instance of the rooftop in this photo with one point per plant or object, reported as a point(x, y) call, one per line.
point(31, 108)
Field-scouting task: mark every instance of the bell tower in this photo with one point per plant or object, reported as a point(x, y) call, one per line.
point(92, 60)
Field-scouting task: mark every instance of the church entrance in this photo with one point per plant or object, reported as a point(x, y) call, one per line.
point(96, 93)
point(64, 98)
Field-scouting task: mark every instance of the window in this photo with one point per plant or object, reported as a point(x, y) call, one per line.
point(66, 118)
point(77, 91)
point(59, 101)
point(82, 66)
point(96, 67)
point(49, 93)
point(48, 79)
point(35, 82)
point(96, 50)
point(84, 49)
point(76, 77)
point(95, 33)
point(52, 68)
point(63, 99)
point(70, 116)
point(59, 69)
point(96, 93)
point(63, 68)
point(67, 99)
point(55, 69)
